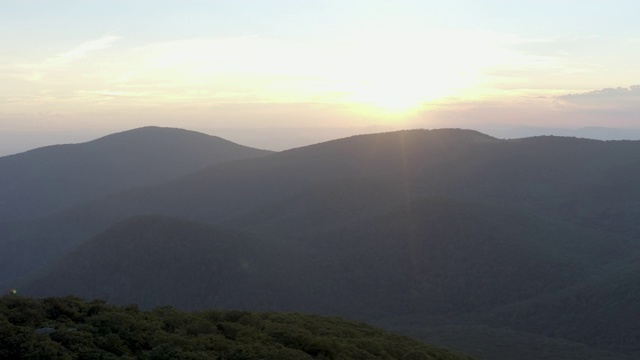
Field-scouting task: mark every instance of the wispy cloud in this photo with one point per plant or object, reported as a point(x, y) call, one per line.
point(83, 50)
point(609, 97)
point(53, 70)
point(611, 107)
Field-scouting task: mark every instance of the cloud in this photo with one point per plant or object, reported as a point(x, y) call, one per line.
point(83, 50)
point(632, 92)
point(609, 98)
point(611, 107)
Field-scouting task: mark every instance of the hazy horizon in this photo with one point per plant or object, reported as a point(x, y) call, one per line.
point(277, 75)
point(279, 139)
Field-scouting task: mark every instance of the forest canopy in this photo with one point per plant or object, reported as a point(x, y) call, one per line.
point(71, 328)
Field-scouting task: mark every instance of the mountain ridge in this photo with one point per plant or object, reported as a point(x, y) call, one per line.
point(42, 181)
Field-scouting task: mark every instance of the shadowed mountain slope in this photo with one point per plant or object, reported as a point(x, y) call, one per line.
point(152, 261)
point(437, 256)
point(489, 343)
point(602, 311)
point(41, 181)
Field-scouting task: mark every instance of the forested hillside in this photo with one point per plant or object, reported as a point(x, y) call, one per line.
point(70, 328)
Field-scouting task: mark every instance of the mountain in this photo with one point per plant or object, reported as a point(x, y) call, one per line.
point(228, 189)
point(40, 182)
point(231, 189)
point(431, 229)
point(591, 132)
point(565, 177)
point(584, 182)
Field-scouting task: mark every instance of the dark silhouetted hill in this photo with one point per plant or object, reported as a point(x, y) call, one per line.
point(42, 181)
point(578, 180)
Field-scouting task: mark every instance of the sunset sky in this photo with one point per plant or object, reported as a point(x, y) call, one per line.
point(270, 73)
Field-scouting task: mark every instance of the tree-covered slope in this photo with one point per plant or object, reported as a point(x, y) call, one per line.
point(156, 260)
point(601, 312)
point(70, 328)
point(437, 255)
point(493, 343)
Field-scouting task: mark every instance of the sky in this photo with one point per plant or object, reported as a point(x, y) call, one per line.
point(278, 74)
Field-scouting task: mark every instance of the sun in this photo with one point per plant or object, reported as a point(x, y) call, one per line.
point(396, 98)
point(399, 73)
point(398, 101)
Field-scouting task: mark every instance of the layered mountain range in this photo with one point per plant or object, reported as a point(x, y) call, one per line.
point(449, 235)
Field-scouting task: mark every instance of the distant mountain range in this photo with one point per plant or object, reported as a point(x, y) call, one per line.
point(420, 231)
point(590, 132)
